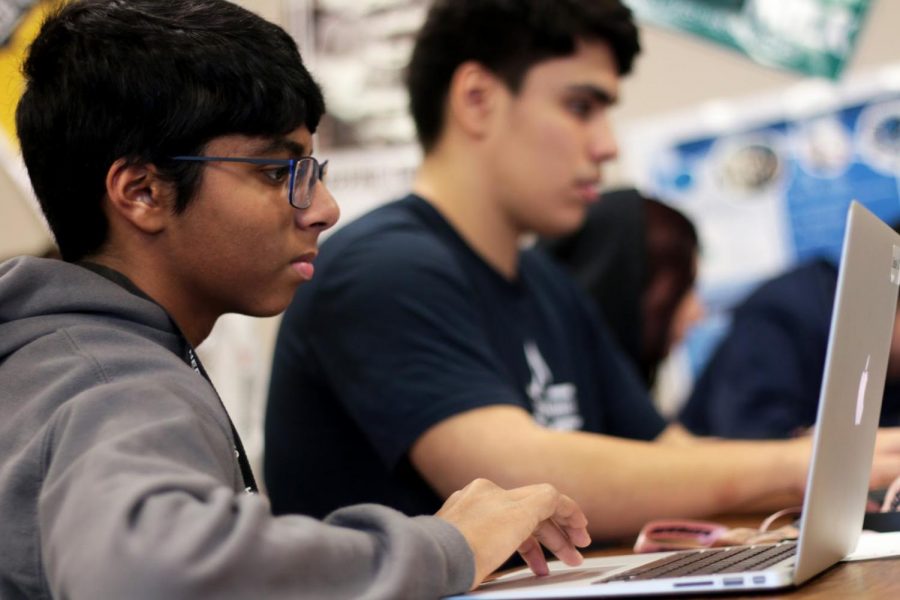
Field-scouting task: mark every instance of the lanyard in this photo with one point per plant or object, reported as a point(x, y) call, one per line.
point(189, 356)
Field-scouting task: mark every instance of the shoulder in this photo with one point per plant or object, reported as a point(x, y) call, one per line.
point(108, 358)
point(798, 300)
point(396, 244)
point(809, 283)
point(404, 227)
point(102, 371)
point(66, 315)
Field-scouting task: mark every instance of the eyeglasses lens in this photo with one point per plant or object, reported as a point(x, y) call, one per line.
point(307, 173)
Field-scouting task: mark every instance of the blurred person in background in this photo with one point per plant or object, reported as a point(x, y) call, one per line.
point(763, 379)
point(637, 258)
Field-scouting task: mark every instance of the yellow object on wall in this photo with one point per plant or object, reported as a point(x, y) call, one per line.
point(11, 55)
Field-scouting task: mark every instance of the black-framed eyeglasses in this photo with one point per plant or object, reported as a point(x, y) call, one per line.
point(302, 173)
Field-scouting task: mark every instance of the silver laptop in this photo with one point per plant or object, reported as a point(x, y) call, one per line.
point(837, 484)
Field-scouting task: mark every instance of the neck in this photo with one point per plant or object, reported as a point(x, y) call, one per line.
point(194, 323)
point(455, 186)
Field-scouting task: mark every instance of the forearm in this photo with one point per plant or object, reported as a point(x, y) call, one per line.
point(156, 511)
point(620, 484)
point(230, 547)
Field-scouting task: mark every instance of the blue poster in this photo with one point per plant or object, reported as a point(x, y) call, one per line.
point(770, 185)
point(813, 168)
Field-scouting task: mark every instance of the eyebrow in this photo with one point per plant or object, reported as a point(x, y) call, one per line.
point(280, 145)
point(598, 94)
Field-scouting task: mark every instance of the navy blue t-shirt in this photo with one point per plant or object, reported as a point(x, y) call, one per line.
point(404, 326)
point(764, 378)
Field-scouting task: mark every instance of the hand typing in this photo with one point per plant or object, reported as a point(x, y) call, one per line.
point(498, 522)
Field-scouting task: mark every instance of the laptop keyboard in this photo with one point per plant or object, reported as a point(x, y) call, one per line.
point(735, 559)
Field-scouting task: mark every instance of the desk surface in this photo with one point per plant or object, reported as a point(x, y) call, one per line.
point(871, 579)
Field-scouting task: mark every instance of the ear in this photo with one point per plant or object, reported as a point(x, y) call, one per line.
point(473, 98)
point(138, 195)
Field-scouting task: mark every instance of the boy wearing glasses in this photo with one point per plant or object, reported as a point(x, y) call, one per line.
point(169, 143)
point(432, 348)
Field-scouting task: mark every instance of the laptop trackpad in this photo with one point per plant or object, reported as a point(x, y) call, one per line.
point(527, 579)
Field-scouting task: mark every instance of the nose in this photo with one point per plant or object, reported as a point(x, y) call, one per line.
point(323, 211)
point(697, 311)
point(691, 310)
point(602, 144)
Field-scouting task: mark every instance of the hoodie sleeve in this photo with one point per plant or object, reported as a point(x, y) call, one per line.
point(139, 501)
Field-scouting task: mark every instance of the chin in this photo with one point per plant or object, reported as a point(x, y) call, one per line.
point(270, 312)
point(560, 226)
point(270, 306)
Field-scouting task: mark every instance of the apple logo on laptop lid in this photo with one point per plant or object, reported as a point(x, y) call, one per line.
point(861, 394)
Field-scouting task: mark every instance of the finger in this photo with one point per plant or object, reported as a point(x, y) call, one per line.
point(551, 504)
point(884, 471)
point(550, 535)
point(531, 553)
point(888, 440)
point(570, 518)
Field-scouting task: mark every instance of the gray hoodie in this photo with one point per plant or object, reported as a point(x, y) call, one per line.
point(118, 477)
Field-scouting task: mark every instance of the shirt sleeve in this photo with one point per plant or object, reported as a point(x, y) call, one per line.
point(401, 339)
point(764, 377)
point(137, 504)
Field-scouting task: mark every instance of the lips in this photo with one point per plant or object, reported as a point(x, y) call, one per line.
point(588, 190)
point(303, 266)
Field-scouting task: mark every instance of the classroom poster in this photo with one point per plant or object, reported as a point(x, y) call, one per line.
point(768, 180)
point(358, 51)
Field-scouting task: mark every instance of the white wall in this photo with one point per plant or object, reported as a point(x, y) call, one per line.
point(22, 230)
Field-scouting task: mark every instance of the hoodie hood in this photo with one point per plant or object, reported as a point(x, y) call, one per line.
point(40, 296)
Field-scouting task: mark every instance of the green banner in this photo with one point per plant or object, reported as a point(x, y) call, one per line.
point(814, 37)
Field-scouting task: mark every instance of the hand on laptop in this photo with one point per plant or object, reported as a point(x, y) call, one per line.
point(498, 522)
point(886, 464)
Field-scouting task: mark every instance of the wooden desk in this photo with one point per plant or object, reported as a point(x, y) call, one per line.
point(862, 580)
